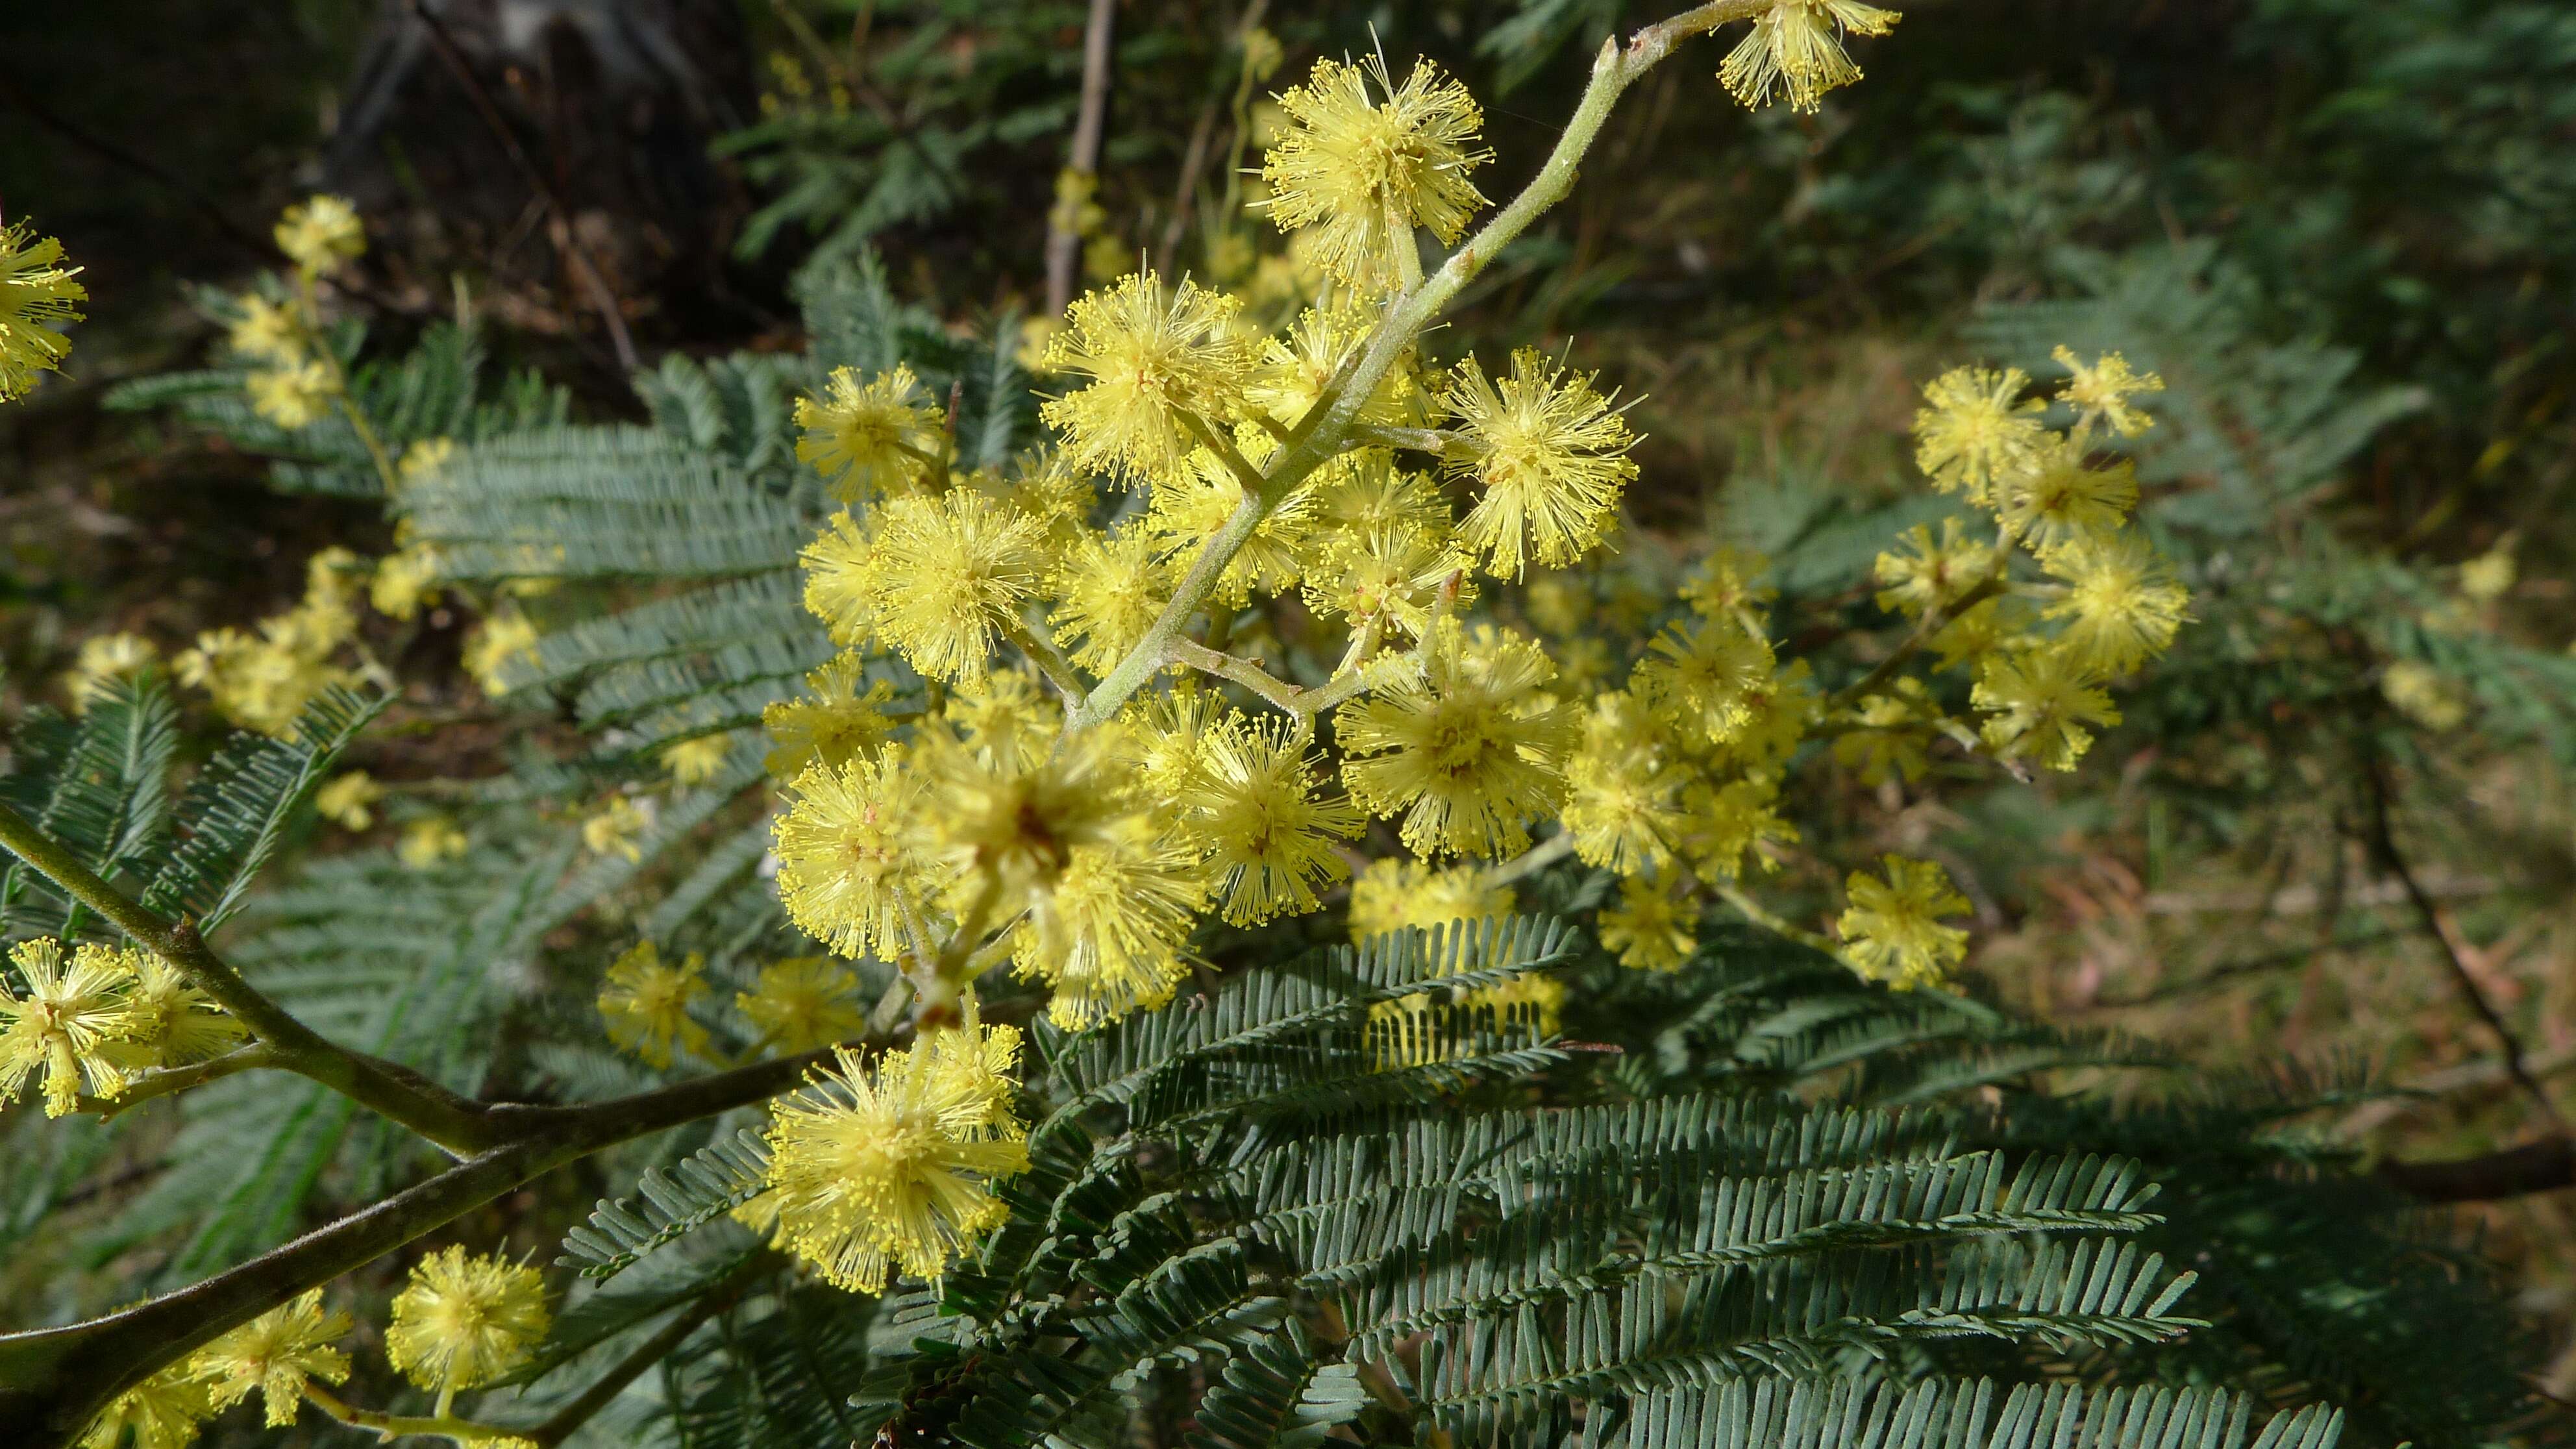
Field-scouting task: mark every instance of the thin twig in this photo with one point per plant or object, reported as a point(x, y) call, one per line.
point(2383, 842)
point(1531, 861)
point(453, 1122)
point(585, 268)
point(1287, 697)
point(1064, 245)
point(1931, 624)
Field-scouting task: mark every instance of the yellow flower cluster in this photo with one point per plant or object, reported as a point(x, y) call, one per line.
point(1071, 795)
point(106, 657)
point(886, 1167)
point(89, 1020)
point(263, 680)
point(2114, 600)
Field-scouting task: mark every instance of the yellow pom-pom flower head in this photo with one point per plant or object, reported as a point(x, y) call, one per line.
point(1795, 50)
point(841, 716)
point(1470, 753)
point(38, 297)
point(1110, 588)
point(948, 576)
point(292, 395)
point(320, 233)
point(1295, 370)
point(1006, 714)
point(430, 841)
point(645, 1004)
point(1268, 835)
point(696, 761)
point(2042, 705)
point(1705, 675)
point(1925, 571)
point(1106, 935)
point(1387, 576)
point(167, 1021)
point(871, 438)
point(464, 1320)
point(349, 800)
point(1395, 895)
point(1549, 455)
point(1365, 168)
point(1190, 509)
point(841, 579)
point(275, 1356)
point(266, 331)
point(617, 828)
point(1975, 430)
point(1155, 358)
point(803, 1004)
point(1392, 895)
point(2122, 605)
point(845, 860)
point(2061, 497)
point(2425, 695)
point(1650, 929)
point(63, 1026)
point(102, 659)
point(1725, 825)
point(1892, 930)
point(1623, 804)
point(162, 1412)
point(2102, 391)
point(886, 1167)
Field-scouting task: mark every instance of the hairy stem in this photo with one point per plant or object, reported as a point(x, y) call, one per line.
point(1287, 697)
point(179, 1079)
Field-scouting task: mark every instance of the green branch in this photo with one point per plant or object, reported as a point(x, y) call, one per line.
point(458, 1124)
point(54, 1380)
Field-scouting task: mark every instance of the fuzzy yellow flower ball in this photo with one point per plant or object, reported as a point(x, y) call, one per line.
point(803, 1004)
point(845, 860)
point(646, 1004)
point(1550, 455)
point(1975, 430)
point(464, 1320)
point(1268, 834)
point(1892, 930)
point(321, 233)
point(1470, 754)
point(885, 1167)
point(870, 438)
point(1649, 928)
point(275, 1356)
point(1366, 169)
point(63, 1025)
point(1160, 363)
point(1794, 50)
point(2042, 705)
point(37, 297)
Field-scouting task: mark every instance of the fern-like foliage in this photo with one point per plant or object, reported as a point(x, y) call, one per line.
point(669, 1203)
point(441, 388)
